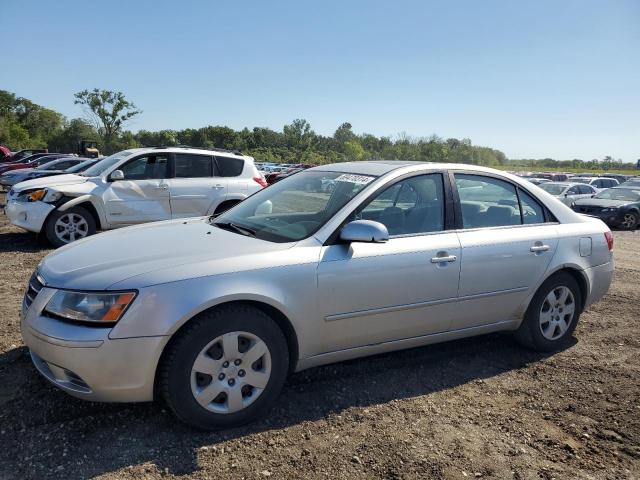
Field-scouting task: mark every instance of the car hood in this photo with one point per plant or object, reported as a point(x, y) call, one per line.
point(21, 171)
point(601, 202)
point(153, 253)
point(67, 179)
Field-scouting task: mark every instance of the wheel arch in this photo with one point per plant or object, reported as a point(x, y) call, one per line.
point(85, 201)
point(579, 276)
point(227, 204)
point(276, 314)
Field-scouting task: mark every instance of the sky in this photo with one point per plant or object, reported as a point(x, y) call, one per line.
point(549, 78)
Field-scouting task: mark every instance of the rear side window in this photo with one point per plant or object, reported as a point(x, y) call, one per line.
point(487, 202)
point(532, 211)
point(228, 166)
point(586, 189)
point(492, 202)
point(193, 166)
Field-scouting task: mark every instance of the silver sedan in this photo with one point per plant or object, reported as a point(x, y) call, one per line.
point(214, 313)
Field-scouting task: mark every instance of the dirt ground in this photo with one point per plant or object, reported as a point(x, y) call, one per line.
point(477, 408)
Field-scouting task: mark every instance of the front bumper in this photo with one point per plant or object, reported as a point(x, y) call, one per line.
point(28, 215)
point(85, 362)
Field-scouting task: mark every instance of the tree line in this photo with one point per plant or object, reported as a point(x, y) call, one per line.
point(24, 124)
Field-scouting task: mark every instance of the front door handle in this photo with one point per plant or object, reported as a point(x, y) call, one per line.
point(162, 187)
point(218, 187)
point(539, 248)
point(448, 258)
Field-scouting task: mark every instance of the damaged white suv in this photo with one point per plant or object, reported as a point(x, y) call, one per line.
point(133, 186)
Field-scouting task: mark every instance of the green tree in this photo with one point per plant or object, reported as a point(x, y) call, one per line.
point(108, 111)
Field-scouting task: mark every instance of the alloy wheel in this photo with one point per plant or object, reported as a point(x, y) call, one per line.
point(231, 372)
point(629, 220)
point(70, 227)
point(557, 312)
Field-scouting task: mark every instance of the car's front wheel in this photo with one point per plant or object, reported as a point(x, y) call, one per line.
point(226, 368)
point(552, 315)
point(68, 226)
point(629, 221)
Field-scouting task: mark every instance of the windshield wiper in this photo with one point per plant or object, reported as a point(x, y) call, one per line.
point(248, 232)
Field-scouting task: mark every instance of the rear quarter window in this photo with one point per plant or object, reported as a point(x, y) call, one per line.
point(228, 166)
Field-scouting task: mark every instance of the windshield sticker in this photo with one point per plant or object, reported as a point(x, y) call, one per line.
point(352, 178)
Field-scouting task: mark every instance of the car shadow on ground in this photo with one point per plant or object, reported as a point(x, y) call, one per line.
point(65, 431)
point(23, 242)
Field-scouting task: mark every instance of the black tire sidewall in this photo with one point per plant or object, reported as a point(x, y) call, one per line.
point(635, 223)
point(56, 214)
point(532, 317)
point(177, 374)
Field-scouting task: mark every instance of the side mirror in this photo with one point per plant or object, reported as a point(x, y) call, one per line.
point(116, 175)
point(364, 231)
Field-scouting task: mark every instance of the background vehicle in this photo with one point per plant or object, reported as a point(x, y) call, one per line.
point(617, 207)
point(568, 192)
point(214, 313)
point(22, 154)
point(130, 187)
point(536, 180)
point(33, 161)
point(620, 178)
point(599, 183)
point(55, 167)
point(5, 154)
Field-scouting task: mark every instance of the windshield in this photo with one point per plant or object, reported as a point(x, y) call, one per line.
point(80, 167)
point(552, 188)
point(106, 163)
point(620, 194)
point(295, 207)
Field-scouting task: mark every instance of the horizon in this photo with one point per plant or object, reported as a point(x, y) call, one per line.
point(533, 81)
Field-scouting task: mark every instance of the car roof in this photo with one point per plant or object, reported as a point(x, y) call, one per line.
point(381, 167)
point(213, 151)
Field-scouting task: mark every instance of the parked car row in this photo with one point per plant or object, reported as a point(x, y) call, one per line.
point(130, 187)
point(213, 313)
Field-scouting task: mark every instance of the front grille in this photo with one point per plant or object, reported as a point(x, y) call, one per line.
point(35, 285)
point(588, 209)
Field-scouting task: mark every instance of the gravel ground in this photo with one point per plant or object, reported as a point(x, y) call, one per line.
point(480, 407)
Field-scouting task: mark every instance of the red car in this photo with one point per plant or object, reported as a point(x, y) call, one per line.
point(23, 154)
point(30, 162)
point(5, 154)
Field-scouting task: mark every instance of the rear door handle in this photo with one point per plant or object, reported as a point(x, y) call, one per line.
point(162, 187)
point(218, 187)
point(449, 258)
point(539, 248)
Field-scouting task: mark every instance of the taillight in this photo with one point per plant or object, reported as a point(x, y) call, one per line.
point(260, 181)
point(609, 237)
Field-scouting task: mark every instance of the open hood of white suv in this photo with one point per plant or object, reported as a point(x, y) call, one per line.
point(54, 181)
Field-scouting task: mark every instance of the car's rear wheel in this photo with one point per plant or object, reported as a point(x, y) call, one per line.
point(68, 226)
point(552, 315)
point(225, 369)
point(629, 221)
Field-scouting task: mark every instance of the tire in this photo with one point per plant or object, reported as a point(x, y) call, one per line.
point(539, 333)
point(630, 221)
point(182, 378)
point(83, 221)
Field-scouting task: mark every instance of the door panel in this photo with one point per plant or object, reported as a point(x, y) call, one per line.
point(498, 268)
point(372, 293)
point(143, 195)
point(192, 197)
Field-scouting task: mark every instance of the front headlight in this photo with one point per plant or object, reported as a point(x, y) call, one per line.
point(106, 308)
point(44, 195)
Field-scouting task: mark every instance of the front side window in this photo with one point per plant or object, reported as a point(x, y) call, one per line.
point(295, 207)
point(146, 168)
point(193, 166)
point(487, 201)
point(412, 206)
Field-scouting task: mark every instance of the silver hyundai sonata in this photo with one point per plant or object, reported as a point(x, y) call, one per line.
point(211, 314)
